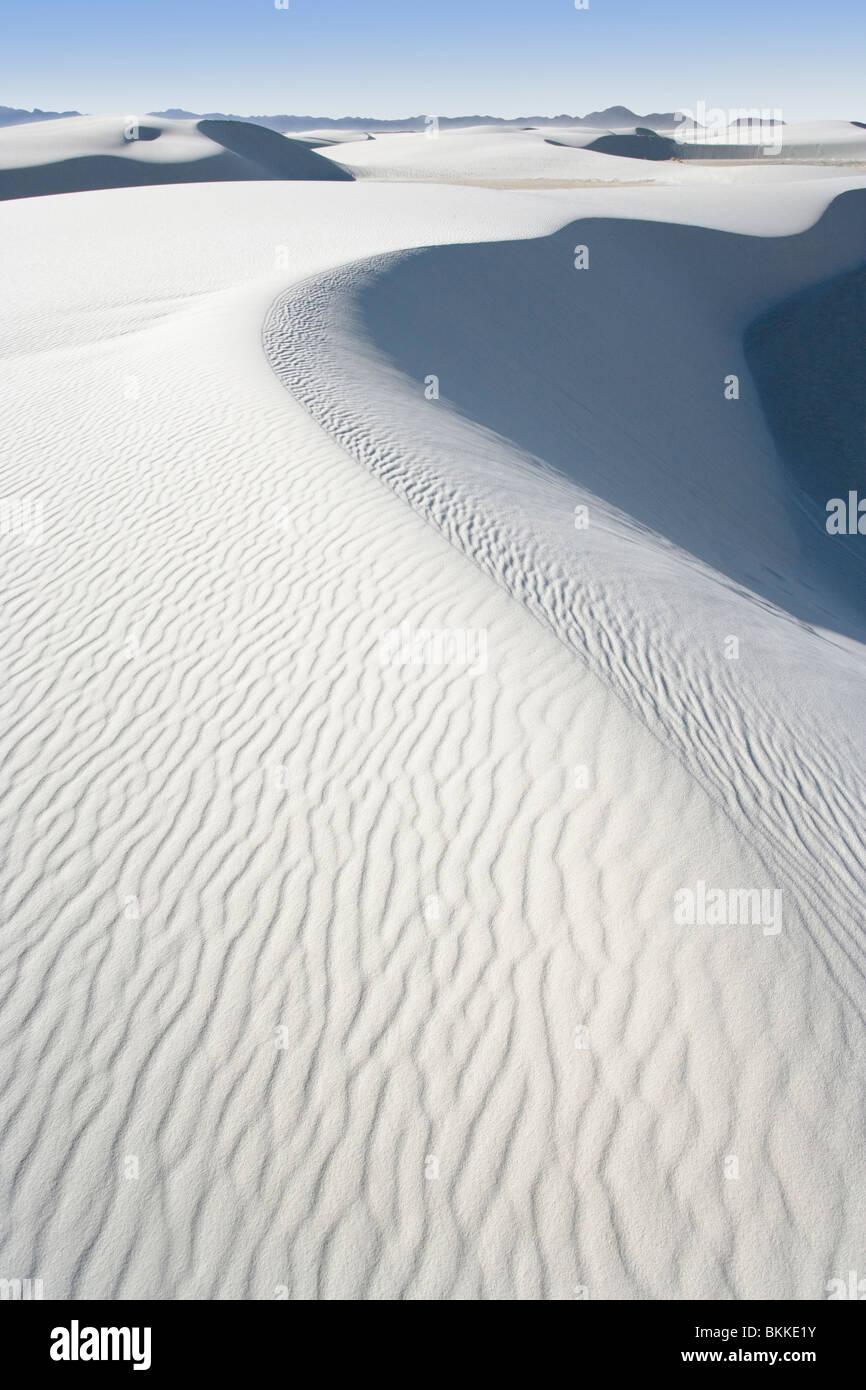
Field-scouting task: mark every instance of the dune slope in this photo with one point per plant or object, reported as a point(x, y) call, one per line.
point(328, 975)
point(615, 378)
point(94, 152)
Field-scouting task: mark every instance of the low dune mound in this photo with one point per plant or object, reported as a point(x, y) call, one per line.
point(487, 154)
point(323, 139)
point(825, 141)
point(273, 156)
point(813, 142)
point(642, 144)
point(90, 152)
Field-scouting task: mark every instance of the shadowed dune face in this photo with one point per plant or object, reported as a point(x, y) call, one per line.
point(88, 172)
point(808, 356)
point(616, 376)
point(642, 145)
point(747, 139)
point(86, 154)
point(276, 156)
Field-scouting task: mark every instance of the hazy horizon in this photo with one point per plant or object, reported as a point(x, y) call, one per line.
point(494, 57)
point(419, 114)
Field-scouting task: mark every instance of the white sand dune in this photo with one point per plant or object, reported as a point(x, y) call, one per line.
point(727, 544)
point(818, 142)
point(831, 141)
point(320, 139)
point(333, 978)
point(580, 154)
point(93, 152)
point(488, 155)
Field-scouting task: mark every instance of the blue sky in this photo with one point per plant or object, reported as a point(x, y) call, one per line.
point(392, 58)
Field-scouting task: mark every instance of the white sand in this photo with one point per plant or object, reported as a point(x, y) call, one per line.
point(455, 156)
point(320, 139)
point(487, 154)
point(285, 925)
point(94, 152)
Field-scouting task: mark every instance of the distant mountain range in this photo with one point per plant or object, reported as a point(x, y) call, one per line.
point(613, 116)
point(11, 115)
